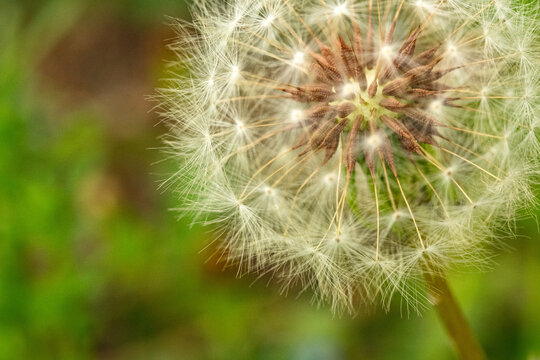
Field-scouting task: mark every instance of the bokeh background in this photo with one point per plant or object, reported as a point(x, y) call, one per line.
point(93, 265)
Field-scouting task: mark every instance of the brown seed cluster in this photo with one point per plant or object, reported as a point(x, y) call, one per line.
point(392, 89)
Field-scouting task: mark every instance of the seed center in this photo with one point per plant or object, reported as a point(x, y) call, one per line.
point(365, 90)
point(364, 104)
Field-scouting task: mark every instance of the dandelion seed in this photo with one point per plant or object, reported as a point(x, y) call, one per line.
point(341, 9)
point(298, 58)
point(297, 115)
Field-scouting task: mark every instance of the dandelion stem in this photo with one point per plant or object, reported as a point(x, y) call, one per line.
point(451, 316)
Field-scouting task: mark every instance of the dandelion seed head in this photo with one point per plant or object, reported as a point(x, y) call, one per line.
point(345, 145)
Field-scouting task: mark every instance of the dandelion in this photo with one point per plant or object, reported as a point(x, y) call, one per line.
point(359, 148)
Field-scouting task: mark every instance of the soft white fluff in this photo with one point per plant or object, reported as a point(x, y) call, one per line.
point(305, 221)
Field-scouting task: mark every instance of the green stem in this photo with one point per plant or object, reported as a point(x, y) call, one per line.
point(450, 314)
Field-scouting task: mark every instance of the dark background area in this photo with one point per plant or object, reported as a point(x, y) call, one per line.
point(93, 265)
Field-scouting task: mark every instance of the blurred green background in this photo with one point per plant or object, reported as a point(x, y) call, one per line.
point(93, 265)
